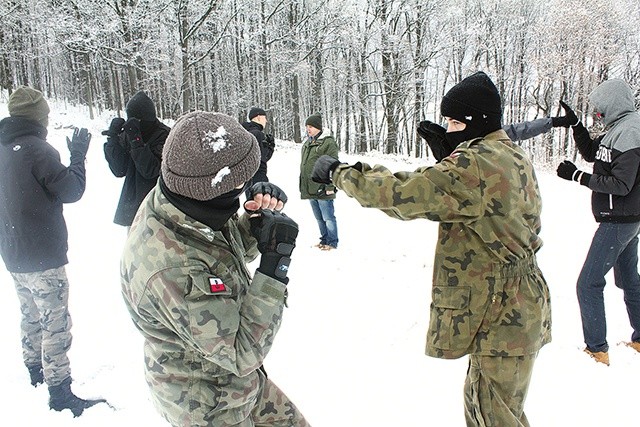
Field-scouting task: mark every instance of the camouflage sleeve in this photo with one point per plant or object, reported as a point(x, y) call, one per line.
point(249, 242)
point(447, 192)
point(234, 333)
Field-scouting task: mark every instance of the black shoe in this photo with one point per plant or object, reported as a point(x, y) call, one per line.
point(61, 397)
point(37, 377)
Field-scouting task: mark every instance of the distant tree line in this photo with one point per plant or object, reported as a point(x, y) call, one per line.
point(372, 68)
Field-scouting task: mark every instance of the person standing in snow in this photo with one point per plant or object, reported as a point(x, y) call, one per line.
point(33, 240)
point(208, 325)
point(615, 202)
point(134, 151)
point(320, 195)
point(435, 135)
point(256, 125)
point(489, 298)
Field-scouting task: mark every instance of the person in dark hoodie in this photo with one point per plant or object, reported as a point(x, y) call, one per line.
point(134, 151)
point(34, 185)
point(256, 125)
point(615, 202)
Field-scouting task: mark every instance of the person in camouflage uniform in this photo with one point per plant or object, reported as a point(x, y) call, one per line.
point(489, 298)
point(34, 185)
point(208, 324)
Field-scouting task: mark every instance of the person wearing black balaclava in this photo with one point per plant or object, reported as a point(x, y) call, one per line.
point(134, 151)
point(489, 298)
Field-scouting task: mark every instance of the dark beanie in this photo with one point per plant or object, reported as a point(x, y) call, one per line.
point(29, 103)
point(474, 101)
point(208, 154)
point(256, 111)
point(314, 120)
point(141, 107)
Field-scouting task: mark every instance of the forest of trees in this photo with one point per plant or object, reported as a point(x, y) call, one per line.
point(372, 68)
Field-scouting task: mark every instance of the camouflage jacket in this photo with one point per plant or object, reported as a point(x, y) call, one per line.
point(207, 324)
point(312, 149)
point(488, 295)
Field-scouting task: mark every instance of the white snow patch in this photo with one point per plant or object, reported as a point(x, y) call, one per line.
point(216, 140)
point(220, 175)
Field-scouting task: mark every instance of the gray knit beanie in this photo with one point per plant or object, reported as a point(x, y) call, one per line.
point(208, 154)
point(29, 103)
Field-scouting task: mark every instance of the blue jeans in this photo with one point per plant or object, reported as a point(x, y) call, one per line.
point(323, 211)
point(613, 246)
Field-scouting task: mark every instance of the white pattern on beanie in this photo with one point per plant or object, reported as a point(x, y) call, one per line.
point(216, 140)
point(221, 174)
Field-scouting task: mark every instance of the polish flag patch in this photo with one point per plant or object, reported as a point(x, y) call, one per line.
point(216, 285)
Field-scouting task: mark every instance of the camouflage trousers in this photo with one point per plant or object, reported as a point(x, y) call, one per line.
point(46, 323)
point(495, 390)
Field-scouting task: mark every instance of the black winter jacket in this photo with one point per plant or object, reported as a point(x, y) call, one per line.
point(137, 158)
point(615, 181)
point(267, 146)
point(33, 187)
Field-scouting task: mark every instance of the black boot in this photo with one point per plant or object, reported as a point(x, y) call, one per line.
point(61, 397)
point(35, 372)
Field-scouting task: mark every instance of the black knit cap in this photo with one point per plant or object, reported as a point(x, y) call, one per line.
point(476, 102)
point(141, 107)
point(255, 112)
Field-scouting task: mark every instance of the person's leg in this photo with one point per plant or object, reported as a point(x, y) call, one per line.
point(317, 213)
point(627, 278)
point(495, 390)
point(604, 250)
point(274, 409)
point(329, 217)
point(51, 295)
point(30, 330)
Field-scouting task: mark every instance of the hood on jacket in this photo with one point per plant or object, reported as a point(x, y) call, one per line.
point(14, 127)
point(613, 99)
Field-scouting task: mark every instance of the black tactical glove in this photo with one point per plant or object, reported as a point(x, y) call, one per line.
point(115, 127)
point(132, 129)
point(434, 135)
point(569, 119)
point(323, 168)
point(567, 170)
point(276, 235)
point(267, 188)
point(268, 139)
point(79, 143)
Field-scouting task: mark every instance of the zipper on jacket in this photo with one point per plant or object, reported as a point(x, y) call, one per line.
point(611, 201)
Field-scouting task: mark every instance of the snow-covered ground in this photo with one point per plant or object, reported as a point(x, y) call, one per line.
point(350, 352)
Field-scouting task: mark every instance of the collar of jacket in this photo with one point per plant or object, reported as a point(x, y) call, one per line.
point(319, 137)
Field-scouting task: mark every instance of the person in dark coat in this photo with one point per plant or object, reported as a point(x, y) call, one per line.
point(256, 125)
point(34, 185)
point(134, 151)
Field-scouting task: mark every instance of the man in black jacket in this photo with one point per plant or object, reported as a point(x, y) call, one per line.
point(256, 124)
point(615, 202)
point(134, 151)
point(33, 239)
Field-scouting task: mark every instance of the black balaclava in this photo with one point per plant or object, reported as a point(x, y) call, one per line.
point(474, 101)
point(213, 213)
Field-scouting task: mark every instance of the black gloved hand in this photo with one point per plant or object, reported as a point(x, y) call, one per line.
point(268, 139)
point(569, 119)
point(323, 168)
point(567, 170)
point(266, 188)
point(276, 234)
point(79, 143)
point(132, 129)
point(115, 127)
point(434, 135)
